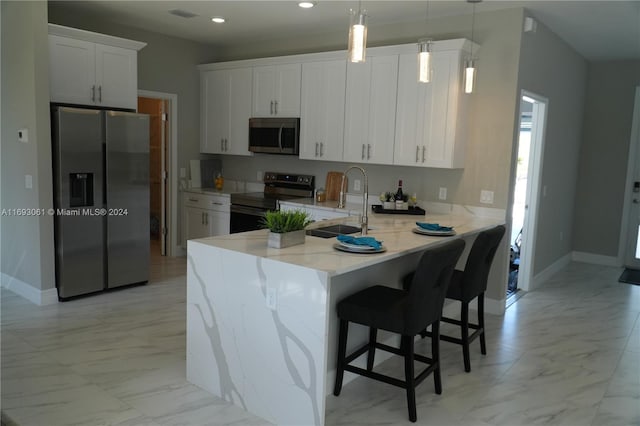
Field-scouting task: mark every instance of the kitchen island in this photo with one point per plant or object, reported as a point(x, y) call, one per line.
point(261, 322)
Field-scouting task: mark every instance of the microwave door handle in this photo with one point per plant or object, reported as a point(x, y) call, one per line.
point(280, 137)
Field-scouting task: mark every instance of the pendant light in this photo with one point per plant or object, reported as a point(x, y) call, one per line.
point(470, 64)
point(358, 35)
point(424, 56)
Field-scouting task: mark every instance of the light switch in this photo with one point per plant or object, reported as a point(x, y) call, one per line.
point(356, 184)
point(23, 135)
point(28, 181)
point(443, 194)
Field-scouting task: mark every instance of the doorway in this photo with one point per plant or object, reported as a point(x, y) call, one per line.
point(158, 121)
point(525, 191)
point(630, 236)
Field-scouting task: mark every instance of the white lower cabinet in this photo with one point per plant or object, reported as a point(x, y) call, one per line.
point(205, 215)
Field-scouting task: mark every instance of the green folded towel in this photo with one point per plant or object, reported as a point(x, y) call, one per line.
point(360, 241)
point(434, 227)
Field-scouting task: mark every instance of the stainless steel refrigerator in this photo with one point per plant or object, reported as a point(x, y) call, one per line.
point(101, 198)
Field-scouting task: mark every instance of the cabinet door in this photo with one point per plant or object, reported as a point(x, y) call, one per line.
point(370, 110)
point(214, 111)
point(116, 77)
point(413, 114)
point(195, 223)
point(218, 223)
point(445, 133)
point(322, 110)
point(276, 91)
point(72, 69)
point(239, 108)
point(288, 90)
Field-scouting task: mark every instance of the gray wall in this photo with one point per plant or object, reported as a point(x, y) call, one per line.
point(604, 156)
point(27, 242)
point(551, 68)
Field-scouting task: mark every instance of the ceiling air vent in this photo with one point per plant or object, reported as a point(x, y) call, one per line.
point(183, 13)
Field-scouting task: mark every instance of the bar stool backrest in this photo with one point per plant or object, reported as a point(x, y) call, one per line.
point(476, 270)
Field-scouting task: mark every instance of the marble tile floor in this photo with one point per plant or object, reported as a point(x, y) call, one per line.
point(567, 353)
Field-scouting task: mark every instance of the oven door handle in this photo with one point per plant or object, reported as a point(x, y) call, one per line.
point(280, 137)
point(247, 210)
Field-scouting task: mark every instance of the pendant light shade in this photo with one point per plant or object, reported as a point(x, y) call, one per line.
point(470, 63)
point(424, 61)
point(469, 75)
point(358, 36)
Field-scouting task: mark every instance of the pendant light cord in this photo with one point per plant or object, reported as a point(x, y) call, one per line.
point(473, 24)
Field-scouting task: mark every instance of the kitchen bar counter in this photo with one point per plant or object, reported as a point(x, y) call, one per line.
point(261, 322)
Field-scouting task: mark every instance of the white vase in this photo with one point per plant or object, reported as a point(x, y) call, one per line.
point(286, 239)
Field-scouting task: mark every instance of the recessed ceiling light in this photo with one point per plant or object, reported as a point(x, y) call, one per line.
point(218, 20)
point(306, 4)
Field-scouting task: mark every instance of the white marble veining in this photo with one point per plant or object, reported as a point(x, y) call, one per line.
point(564, 354)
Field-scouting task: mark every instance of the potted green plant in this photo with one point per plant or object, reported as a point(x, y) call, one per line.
point(286, 228)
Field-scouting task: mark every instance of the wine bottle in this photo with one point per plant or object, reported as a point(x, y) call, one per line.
point(399, 195)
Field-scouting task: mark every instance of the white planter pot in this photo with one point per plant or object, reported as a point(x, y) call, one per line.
point(286, 239)
point(402, 205)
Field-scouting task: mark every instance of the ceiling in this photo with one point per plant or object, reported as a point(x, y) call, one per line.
point(598, 30)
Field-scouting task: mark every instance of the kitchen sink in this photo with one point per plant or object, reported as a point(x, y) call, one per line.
point(332, 231)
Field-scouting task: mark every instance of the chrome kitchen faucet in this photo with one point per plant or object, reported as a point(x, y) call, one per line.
point(364, 223)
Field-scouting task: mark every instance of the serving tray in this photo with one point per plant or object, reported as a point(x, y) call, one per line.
point(377, 208)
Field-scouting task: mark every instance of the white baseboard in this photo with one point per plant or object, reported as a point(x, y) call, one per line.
point(596, 259)
point(550, 271)
point(32, 294)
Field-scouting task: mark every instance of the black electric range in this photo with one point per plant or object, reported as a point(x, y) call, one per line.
point(248, 209)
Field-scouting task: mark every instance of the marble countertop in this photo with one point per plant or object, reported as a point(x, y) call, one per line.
point(318, 253)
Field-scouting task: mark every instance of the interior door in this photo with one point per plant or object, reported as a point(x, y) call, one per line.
point(632, 252)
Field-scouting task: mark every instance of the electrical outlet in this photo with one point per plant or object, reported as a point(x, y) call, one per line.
point(356, 184)
point(272, 298)
point(259, 176)
point(28, 181)
point(443, 194)
point(561, 235)
point(544, 190)
point(486, 197)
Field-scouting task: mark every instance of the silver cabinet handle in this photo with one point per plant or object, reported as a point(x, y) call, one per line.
point(202, 218)
point(195, 200)
point(321, 149)
point(99, 93)
point(316, 149)
point(206, 218)
point(417, 153)
point(276, 103)
point(221, 144)
point(368, 151)
point(363, 148)
point(271, 108)
point(424, 149)
point(226, 144)
point(93, 93)
point(215, 203)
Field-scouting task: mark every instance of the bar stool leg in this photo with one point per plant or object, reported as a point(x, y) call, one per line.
point(483, 344)
point(373, 332)
point(435, 356)
point(407, 343)
point(342, 350)
point(464, 315)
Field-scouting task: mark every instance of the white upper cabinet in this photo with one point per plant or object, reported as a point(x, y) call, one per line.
point(85, 72)
point(370, 110)
point(431, 117)
point(276, 90)
point(225, 109)
point(322, 110)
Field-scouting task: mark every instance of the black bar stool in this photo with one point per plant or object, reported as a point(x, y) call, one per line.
point(405, 312)
point(471, 283)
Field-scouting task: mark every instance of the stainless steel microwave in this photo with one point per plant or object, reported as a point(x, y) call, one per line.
point(274, 135)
